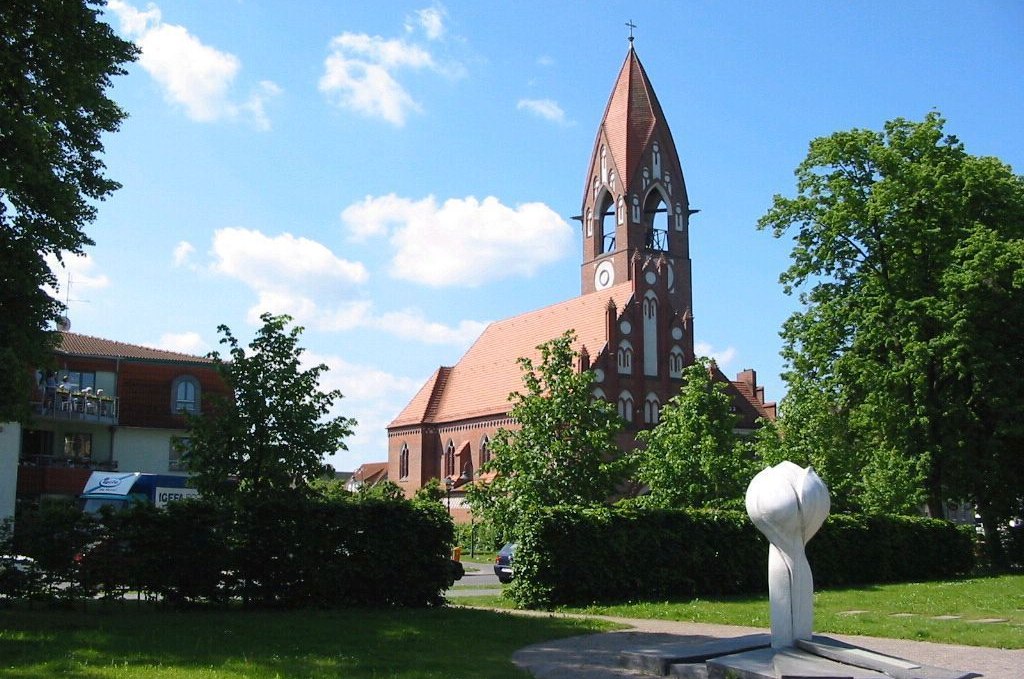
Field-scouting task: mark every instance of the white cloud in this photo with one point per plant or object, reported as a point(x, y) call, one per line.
point(372, 396)
point(287, 273)
point(75, 273)
point(462, 242)
point(723, 357)
point(430, 20)
point(184, 342)
point(407, 324)
point(545, 60)
point(304, 279)
point(361, 71)
point(269, 263)
point(183, 252)
point(195, 76)
point(410, 324)
point(548, 109)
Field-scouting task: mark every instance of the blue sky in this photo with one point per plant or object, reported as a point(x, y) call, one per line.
point(395, 175)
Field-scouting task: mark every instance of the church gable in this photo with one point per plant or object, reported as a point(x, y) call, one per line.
point(480, 383)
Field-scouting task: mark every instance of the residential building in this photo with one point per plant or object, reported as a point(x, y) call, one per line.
point(368, 474)
point(633, 319)
point(108, 405)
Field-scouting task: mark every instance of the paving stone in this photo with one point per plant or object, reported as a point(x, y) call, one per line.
point(988, 621)
point(890, 666)
point(658, 660)
point(946, 617)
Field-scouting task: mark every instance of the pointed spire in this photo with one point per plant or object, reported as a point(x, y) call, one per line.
point(632, 120)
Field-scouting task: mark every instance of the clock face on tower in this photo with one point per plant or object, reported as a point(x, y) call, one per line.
point(604, 276)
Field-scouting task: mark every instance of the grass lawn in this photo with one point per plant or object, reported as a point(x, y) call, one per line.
point(126, 640)
point(919, 611)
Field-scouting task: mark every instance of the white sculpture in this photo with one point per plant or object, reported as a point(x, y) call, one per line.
point(788, 504)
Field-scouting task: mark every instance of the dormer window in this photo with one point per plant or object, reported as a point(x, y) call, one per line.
point(185, 395)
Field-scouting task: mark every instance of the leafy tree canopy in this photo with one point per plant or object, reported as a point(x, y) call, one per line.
point(692, 458)
point(564, 451)
point(909, 262)
point(273, 433)
point(56, 63)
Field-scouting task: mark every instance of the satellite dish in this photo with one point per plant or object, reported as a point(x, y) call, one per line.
point(64, 324)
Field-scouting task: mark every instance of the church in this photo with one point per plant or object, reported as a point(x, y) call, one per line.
point(633, 319)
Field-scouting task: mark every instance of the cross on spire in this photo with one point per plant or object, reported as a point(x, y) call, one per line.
point(631, 26)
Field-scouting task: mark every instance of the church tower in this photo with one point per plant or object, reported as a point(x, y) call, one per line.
point(636, 212)
point(633, 320)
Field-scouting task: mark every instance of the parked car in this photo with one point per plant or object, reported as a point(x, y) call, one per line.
point(19, 575)
point(503, 562)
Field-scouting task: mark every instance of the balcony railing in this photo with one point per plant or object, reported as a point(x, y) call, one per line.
point(67, 462)
point(81, 407)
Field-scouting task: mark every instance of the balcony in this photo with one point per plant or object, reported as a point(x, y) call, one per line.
point(80, 407)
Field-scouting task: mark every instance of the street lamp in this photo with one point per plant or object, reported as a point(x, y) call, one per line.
point(448, 483)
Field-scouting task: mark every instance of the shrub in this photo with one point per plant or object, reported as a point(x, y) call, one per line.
point(570, 556)
point(283, 551)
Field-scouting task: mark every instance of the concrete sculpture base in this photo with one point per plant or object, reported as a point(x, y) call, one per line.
point(788, 504)
point(752, 657)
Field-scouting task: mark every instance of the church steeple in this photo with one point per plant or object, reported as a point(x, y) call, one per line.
point(635, 203)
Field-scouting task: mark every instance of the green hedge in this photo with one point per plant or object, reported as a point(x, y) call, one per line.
point(283, 552)
point(570, 556)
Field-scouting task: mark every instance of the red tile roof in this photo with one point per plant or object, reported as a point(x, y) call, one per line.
point(631, 121)
point(480, 383)
point(371, 472)
point(85, 345)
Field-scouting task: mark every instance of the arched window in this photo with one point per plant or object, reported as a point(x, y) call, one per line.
point(599, 394)
point(650, 311)
point(605, 227)
point(675, 362)
point(626, 406)
point(403, 461)
point(449, 460)
point(185, 394)
point(485, 450)
point(650, 306)
point(652, 408)
point(656, 221)
point(625, 357)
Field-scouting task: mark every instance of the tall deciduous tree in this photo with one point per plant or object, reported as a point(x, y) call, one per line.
point(908, 255)
point(272, 434)
point(56, 62)
point(564, 452)
point(692, 458)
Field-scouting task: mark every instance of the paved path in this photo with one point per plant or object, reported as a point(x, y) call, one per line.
point(596, 656)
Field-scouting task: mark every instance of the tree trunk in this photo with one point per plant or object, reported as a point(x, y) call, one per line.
point(993, 539)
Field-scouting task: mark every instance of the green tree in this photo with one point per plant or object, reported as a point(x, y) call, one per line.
point(564, 451)
point(692, 458)
point(272, 434)
point(382, 490)
point(908, 257)
point(56, 63)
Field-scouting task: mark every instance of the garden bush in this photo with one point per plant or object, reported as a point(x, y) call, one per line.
point(280, 551)
point(570, 556)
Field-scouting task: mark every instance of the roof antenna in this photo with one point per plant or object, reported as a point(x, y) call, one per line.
point(631, 26)
point(64, 321)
